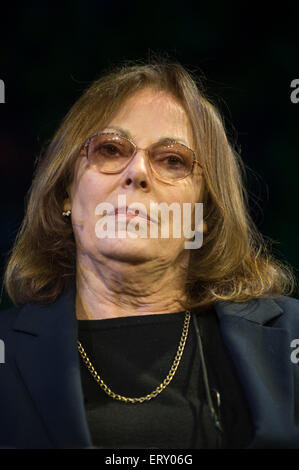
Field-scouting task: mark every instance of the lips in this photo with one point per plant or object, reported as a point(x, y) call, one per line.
point(132, 212)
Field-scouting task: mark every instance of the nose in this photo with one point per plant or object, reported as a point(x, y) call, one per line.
point(137, 174)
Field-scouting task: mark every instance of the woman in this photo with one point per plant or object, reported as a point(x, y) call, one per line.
point(122, 336)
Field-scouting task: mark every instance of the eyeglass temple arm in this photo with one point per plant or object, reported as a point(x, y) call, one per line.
point(196, 161)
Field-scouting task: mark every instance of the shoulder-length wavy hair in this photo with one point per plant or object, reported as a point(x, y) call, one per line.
point(233, 263)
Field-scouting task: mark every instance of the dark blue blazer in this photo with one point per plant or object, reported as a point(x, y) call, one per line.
point(41, 398)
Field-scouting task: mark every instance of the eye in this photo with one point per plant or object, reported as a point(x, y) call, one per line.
point(108, 149)
point(171, 162)
point(174, 160)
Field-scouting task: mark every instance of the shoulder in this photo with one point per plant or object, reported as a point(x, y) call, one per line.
point(36, 316)
point(288, 304)
point(7, 318)
point(276, 311)
point(7, 332)
point(289, 312)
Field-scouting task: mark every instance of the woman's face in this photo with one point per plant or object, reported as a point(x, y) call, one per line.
point(147, 116)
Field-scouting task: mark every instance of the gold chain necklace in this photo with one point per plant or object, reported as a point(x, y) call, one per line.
point(163, 384)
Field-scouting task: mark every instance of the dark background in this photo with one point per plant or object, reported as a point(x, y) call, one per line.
point(247, 56)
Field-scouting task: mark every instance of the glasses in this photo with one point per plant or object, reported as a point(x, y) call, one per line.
point(112, 153)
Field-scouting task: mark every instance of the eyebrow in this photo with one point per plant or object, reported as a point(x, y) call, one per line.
point(120, 131)
point(128, 135)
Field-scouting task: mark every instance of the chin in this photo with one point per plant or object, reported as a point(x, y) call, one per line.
point(129, 250)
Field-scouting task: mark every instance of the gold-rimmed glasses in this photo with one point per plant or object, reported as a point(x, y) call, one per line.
point(111, 153)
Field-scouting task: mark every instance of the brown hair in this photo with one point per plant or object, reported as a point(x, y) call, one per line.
point(233, 264)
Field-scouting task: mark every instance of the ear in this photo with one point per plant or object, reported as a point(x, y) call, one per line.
point(67, 201)
point(67, 205)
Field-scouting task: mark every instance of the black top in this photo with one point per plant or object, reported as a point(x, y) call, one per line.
point(133, 355)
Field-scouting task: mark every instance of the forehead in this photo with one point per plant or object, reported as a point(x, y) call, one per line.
point(150, 115)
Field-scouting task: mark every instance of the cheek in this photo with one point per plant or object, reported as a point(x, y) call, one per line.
point(192, 192)
point(197, 188)
point(87, 192)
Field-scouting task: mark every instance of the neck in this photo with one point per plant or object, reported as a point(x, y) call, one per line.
point(117, 289)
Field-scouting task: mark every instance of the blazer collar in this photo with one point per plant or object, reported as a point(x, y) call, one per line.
point(260, 310)
point(36, 318)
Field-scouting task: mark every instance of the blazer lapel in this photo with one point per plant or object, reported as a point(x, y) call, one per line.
point(48, 360)
point(261, 355)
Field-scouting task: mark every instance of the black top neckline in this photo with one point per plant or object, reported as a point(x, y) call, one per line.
point(133, 320)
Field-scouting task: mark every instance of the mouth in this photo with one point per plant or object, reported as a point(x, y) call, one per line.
point(131, 213)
